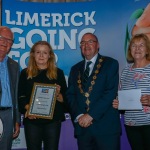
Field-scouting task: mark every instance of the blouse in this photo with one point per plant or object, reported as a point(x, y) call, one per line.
point(137, 78)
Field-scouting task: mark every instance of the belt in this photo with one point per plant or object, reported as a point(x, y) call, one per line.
point(4, 108)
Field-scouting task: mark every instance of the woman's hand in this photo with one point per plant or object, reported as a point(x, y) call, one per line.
point(58, 87)
point(59, 96)
point(145, 100)
point(115, 103)
point(26, 114)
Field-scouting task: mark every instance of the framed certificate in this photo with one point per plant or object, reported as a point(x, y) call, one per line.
point(42, 101)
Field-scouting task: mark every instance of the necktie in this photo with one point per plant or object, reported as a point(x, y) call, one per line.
point(86, 73)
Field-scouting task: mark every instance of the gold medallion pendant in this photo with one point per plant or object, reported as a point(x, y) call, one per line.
point(87, 102)
point(86, 94)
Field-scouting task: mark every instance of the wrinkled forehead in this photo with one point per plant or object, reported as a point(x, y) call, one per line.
point(6, 32)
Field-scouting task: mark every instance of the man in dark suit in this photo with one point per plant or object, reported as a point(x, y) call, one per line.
point(9, 76)
point(91, 90)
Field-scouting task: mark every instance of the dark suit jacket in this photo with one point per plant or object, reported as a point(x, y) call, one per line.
point(106, 118)
point(14, 71)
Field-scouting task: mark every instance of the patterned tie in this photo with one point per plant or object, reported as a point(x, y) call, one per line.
point(86, 73)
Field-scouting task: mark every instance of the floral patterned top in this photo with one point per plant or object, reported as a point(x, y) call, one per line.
point(136, 78)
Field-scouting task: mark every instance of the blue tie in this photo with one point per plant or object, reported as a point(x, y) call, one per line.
point(86, 73)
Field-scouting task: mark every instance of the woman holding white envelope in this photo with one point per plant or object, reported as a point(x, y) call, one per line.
point(137, 76)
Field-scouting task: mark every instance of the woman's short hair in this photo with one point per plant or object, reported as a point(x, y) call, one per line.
point(138, 37)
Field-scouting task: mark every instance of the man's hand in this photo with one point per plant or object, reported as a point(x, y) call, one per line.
point(85, 120)
point(17, 130)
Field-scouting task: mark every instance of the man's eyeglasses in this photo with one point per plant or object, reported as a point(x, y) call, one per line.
point(6, 39)
point(90, 42)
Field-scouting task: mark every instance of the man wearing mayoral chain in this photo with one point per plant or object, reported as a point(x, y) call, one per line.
point(92, 86)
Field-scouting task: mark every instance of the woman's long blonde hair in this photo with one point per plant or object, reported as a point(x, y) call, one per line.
point(32, 69)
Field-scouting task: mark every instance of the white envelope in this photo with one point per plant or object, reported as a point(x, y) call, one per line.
point(129, 99)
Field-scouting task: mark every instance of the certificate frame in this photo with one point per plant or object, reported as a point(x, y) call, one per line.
point(42, 101)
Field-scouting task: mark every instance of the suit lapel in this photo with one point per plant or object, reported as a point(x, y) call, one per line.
point(81, 69)
point(95, 66)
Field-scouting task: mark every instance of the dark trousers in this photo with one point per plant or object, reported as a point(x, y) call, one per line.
point(7, 136)
point(139, 137)
point(89, 141)
point(49, 134)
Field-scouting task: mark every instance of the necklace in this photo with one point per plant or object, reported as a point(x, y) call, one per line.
point(87, 93)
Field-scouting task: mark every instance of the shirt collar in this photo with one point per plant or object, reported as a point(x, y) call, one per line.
point(93, 60)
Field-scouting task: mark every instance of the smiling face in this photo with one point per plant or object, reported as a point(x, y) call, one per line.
point(139, 50)
point(89, 46)
point(6, 41)
point(41, 55)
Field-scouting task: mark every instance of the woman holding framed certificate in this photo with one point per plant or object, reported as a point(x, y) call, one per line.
point(42, 88)
point(135, 80)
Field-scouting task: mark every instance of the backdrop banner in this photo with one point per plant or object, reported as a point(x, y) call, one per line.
point(62, 25)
